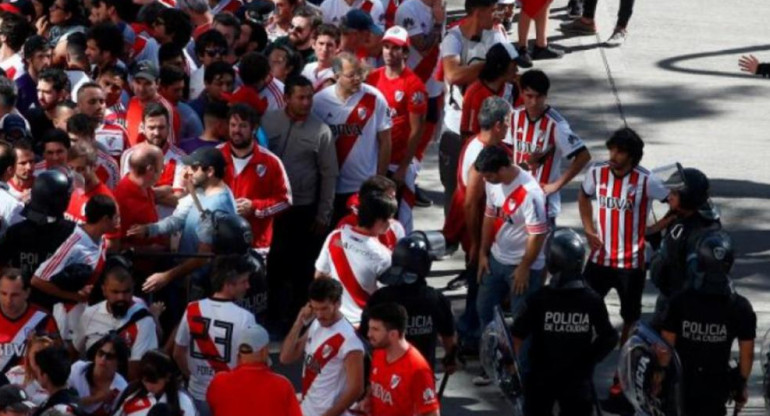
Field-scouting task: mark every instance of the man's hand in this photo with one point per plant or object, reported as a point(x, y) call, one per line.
point(319, 227)
point(741, 399)
point(483, 267)
point(749, 63)
point(156, 282)
point(473, 254)
point(306, 315)
point(551, 188)
point(520, 280)
point(157, 309)
point(137, 230)
point(594, 241)
point(243, 206)
point(399, 175)
point(85, 292)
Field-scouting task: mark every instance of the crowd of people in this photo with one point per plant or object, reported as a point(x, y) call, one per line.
point(183, 181)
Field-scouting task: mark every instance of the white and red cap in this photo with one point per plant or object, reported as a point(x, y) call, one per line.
point(396, 35)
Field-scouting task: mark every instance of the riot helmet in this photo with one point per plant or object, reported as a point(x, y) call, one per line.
point(410, 262)
point(232, 233)
point(565, 257)
point(692, 186)
point(710, 261)
point(50, 194)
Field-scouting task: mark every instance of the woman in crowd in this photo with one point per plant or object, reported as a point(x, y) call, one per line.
point(23, 375)
point(99, 382)
point(158, 383)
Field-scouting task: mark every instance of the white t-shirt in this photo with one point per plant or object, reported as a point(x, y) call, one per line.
point(323, 374)
point(197, 84)
point(355, 260)
point(78, 382)
point(96, 322)
point(417, 18)
point(215, 328)
point(519, 208)
point(317, 77)
point(136, 405)
point(10, 209)
point(354, 124)
point(334, 10)
point(13, 66)
point(455, 44)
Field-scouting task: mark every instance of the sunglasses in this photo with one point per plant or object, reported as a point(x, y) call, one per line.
point(107, 355)
point(297, 28)
point(214, 52)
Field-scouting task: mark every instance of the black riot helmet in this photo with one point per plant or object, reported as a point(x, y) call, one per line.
point(565, 258)
point(710, 261)
point(50, 194)
point(232, 233)
point(692, 186)
point(410, 262)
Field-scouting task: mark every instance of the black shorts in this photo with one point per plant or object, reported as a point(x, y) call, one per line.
point(629, 283)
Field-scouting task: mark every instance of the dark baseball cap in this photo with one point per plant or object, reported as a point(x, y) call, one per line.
point(205, 157)
point(145, 69)
point(15, 399)
point(14, 127)
point(358, 19)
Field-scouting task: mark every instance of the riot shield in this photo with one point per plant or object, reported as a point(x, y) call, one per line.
point(650, 373)
point(764, 359)
point(498, 358)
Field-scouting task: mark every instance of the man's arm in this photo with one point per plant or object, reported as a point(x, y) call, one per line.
point(354, 385)
point(416, 124)
point(293, 345)
point(473, 207)
point(180, 356)
point(329, 171)
point(157, 281)
point(521, 273)
point(280, 193)
point(53, 290)
point(587, 218)
point(424, 42)
point(165, 195)
point(486, 244)
point(383, 154)
point(457, 74)
point(579, 162)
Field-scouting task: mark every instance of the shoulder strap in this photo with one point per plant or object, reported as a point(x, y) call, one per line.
point(135, 317)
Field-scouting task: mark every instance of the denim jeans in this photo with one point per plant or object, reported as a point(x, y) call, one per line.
point(495, 286)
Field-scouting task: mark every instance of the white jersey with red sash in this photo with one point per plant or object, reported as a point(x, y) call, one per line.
point(389, 239)
point(113, 137)
point(107, 169)
point(355, 260)
point(334, 10)
point(323, 373)
point(417, 18)
point(14, 332)
point(549, 139)
point(519, 210)
point(209, 330)
point(355, 124)
point(140, 405)
point(96, 322)
point(620, 213)
point(318, 76)
point(78, 248)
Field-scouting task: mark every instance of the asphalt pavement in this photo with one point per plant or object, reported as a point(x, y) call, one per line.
point(676, 82)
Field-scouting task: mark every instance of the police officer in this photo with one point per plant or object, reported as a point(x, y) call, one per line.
point(692, 215)
point(561, 320)
point(429, 311)
point(29, 243)
point(702, 322)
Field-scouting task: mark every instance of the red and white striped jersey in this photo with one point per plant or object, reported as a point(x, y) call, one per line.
point(209, 330)
point(14, 332)
point(323, 373)
point(97, 321)
point(355, 260)
point(273, 93)
point(417, 18)
point(78, 248)
point(519, 208)
point(13, 66)
point(550, 137)
point(334, 10)
point(620, 213)
point(173, 172)
point(113, 137)
point(355, 124)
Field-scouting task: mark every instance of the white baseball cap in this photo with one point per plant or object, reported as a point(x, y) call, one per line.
point(255, 337)
point(396, 35)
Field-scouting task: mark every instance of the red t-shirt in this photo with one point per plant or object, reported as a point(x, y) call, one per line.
point(405, 94)
point(404, 387)
point(472, 100)
point(251, 389)
point(76, 211)
point(137, 206)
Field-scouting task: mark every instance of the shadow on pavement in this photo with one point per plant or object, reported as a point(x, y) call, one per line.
point(673, 63)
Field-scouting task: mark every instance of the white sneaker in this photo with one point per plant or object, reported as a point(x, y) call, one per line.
point(482, 380)
point(618, 38)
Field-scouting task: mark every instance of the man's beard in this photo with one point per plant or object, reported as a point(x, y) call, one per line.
point(119, 309)
point(240, 145)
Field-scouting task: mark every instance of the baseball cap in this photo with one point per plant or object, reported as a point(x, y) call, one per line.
point(205, 157)
point(145, 69)
point(15, 399)
point(255, 337)
point(14, 127)
point(358, 19)
point(396, 35)
point(500, 55)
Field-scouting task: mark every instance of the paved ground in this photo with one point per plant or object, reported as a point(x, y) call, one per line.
point(678, 85)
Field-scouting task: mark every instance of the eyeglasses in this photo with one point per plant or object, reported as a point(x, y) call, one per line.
point(107, 355)
point(297, 28)
point(214, 52)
